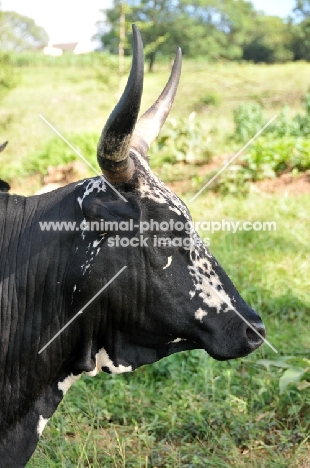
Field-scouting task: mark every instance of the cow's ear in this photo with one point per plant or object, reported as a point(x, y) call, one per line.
point(98, 208)
point(4, 186)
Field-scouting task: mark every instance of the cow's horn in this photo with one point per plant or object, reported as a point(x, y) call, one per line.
point(3, 146)
point(149, 125)
point(114, 144)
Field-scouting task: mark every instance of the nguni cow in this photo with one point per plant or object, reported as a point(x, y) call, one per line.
point(172, 296)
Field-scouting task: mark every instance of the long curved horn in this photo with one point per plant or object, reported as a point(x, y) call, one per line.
point(149, 125)
point(114, 144)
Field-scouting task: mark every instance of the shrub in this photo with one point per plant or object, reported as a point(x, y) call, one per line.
point(249, 119)
point(234, 181)
point(284, 147)
point(181, 140)
point(208, 100)
point(8, 76)
point(270, 157)
point(267, 158)
point(56, 152)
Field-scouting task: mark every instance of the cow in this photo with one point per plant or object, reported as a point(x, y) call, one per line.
point(61, 315)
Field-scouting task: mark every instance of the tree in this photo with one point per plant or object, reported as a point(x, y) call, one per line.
point(302, 8)
point(301, 33)
point(212, 28)
point(224, 26)
point(301, 40)
point(18, 33)
point(269, 41)
point(153, 17)
point(8, 76)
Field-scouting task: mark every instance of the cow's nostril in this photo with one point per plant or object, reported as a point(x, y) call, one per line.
point(255, 334)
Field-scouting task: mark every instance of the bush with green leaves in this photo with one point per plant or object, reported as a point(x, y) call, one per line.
point(182, 140)
point(249, 119)
point(56, 152)
point(210, 99)
point(267, 158)
point(234, 181)
point(284, 147)
point(8, 76)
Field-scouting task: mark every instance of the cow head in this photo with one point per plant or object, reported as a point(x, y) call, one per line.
point(173, 295)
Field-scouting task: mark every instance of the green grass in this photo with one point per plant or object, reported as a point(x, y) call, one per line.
point(189, 410)
point(77, 99)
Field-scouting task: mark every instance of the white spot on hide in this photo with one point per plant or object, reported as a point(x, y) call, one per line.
point(175, 210)
point(97, 183)
point(177, 340)
point(168, 263)
point(206, 282)
point(158, 191)
point(41, 425)
point(90, 185)
point(200, 313)
point(103, 360)
point(74, 289)
point(96, 243)
point(67, 382)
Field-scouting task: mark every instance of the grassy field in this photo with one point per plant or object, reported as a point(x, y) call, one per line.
point(187, 411)
point(77, 101)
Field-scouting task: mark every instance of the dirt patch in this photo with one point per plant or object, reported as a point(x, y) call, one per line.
point(65, 174)
point(56, 177)
point(62, 175)
point(203, 171)
point(285, 183)
point(293, 185)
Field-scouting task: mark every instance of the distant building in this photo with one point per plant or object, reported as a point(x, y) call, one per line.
point(73, 47)
point(52, 50)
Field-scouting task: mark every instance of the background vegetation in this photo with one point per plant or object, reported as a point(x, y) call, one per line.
point(188, 410)
point(213, 29)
